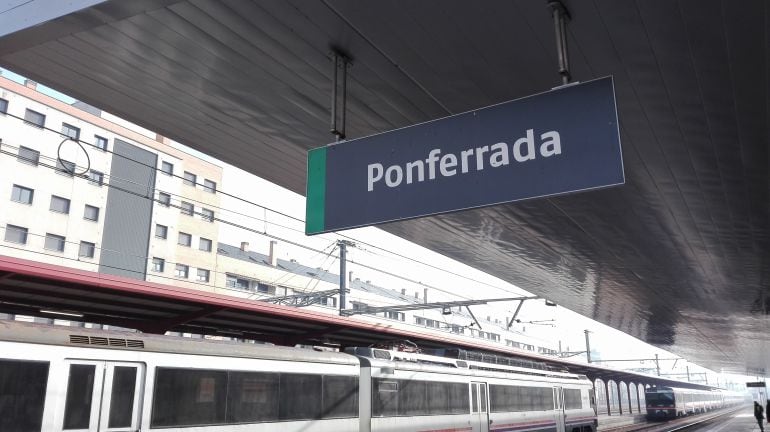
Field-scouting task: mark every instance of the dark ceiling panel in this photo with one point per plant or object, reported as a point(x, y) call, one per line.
point(679, 256)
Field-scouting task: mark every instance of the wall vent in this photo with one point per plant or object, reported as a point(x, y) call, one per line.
point(102, 341)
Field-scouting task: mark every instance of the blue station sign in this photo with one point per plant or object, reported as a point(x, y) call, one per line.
point(561, 141)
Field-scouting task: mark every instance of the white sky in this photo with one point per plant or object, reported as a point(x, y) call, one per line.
point(569, 326)
point(566, 326)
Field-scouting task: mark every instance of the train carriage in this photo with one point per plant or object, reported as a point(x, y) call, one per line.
point(671, 402)
point(427, 393)
point(74, 379)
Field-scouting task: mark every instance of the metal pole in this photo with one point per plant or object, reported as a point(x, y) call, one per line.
point(688, 373)
point(474, 317)
point(515, 314)
point(335, 61)
point(588, 346)
point(343, 280)
point(560, 17)
point(657, 364)
point(342, 132)
point(338, 129)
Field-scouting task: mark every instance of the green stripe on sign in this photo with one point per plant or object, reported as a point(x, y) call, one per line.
point(315, 207)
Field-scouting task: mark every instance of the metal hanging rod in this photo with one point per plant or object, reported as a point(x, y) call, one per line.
point(560, 18)
point(340, 61)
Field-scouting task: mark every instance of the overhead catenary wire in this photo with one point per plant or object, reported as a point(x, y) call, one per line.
point(237, 197)
point(86, 260)
point(153, 167)
point(265, 234)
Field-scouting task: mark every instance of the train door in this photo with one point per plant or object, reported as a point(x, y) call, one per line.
point(101, 397)
point(479, 407)
point(558, 406)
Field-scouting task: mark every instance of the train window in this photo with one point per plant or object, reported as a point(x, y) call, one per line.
point(483, 402)
point(122, 397)
point(340, 396)
point(438, 398)
point(77, 406)
point(458, 398)
point(300, 397)
point(22, 386)
point(526, 399)
point(412, 399)
point(187, 397)
point(252, 397)
point(572, 399)
point(517, 399)
point(500, 398)
point(384, 398)
point(546, 395)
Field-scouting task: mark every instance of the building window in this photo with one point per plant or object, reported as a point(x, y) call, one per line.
point(182, 271)
point(185, 239)
point(236, 282)
point(54, 242)
point(205, 245)
point(34, 118)
point(203, 275)
point(27, 155)
point(161, 231)
point(331, 301)
point(158, 264)
point(70, 131)
point(190, 179)
point(399, 316)
point(3, 106)
point(96, 177)
point(209, 186)
point(164, 199)
point(207, 215)
point(187, 208)
point(15, 234)
point(65, 167)
point(265, 288)
point(59, 204)
point(100, 142)
point(167, 168)
point(86, 249)
point(22, 195)
point(91, 213)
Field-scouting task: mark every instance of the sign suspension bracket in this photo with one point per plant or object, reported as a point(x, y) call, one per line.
point(340, 61)
point(560, 18)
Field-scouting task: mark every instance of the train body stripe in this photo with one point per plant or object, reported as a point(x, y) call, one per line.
point(524, 426)
point(448, 430)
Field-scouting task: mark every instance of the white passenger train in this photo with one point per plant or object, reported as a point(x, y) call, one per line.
point(67, 379)
point(671, 402)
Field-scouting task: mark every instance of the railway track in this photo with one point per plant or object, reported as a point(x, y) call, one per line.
point(682, 424)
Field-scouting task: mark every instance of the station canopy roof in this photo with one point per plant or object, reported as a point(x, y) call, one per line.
point(678, 256)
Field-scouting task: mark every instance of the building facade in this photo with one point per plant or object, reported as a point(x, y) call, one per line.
point(88, 190)
point(83, 191)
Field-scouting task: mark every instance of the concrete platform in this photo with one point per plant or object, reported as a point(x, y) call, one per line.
point(741, 421)
point(609, 422)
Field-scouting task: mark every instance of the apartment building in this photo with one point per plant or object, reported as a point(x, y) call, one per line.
point(251, 274)
point(83, 191)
